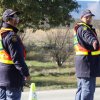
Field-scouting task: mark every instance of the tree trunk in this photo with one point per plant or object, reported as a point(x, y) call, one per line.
point(59, 63)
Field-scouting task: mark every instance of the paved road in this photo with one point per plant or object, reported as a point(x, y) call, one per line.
point(68, 94)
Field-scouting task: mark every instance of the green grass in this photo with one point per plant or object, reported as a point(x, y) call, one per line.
point(47, 75)
point(60, 82)
point(37, 64)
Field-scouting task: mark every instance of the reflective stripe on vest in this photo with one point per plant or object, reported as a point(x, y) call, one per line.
point(81, 53)
point(81, 50)
point(87, 53)
point(4, 56)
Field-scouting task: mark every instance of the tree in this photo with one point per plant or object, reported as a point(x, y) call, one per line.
point(59, 44)
point(35, 12)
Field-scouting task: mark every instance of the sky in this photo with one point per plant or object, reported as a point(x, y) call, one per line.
point(87, 0)
point(93, 5)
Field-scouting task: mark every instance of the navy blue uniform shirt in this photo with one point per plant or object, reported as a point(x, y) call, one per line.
point(86, 37)
point(87, 65)
point(12, 75)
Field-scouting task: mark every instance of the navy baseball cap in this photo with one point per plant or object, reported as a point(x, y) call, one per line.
point(9, 12)
point(87, 13)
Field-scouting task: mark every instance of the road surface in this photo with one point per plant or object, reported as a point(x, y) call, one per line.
point(66, 94)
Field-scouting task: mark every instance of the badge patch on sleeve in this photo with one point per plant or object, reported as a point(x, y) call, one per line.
point(85, 28)
point(14, 38)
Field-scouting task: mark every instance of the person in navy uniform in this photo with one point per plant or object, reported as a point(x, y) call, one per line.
point(87, 59)
point(13, 69)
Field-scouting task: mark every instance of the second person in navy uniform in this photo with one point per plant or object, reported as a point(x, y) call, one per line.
point(87, 56)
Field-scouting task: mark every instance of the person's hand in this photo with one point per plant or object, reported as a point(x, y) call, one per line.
point(27, 78)
point(95, 45)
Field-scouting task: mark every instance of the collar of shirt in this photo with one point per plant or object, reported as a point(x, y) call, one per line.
point(6, 25)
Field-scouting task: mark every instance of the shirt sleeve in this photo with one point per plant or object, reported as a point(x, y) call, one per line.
point(16, 52)
point(87, 35)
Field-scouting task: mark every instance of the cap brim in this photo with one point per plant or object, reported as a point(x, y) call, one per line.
point(92, 15)
point(15, 12)
point(88, 15)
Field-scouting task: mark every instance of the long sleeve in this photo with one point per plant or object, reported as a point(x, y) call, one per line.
point(86, 35)
point(15, 49)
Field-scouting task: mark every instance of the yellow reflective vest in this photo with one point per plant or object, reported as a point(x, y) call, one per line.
point(4, 56)
point(79, 50)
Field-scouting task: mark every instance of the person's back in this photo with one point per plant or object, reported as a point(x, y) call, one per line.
point(13, 69)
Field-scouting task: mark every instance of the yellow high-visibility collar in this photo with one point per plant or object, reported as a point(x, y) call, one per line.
point(6, 29)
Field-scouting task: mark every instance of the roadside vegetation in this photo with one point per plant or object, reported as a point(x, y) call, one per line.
point(44, 69)
point(49, 76)
point(43, 49)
